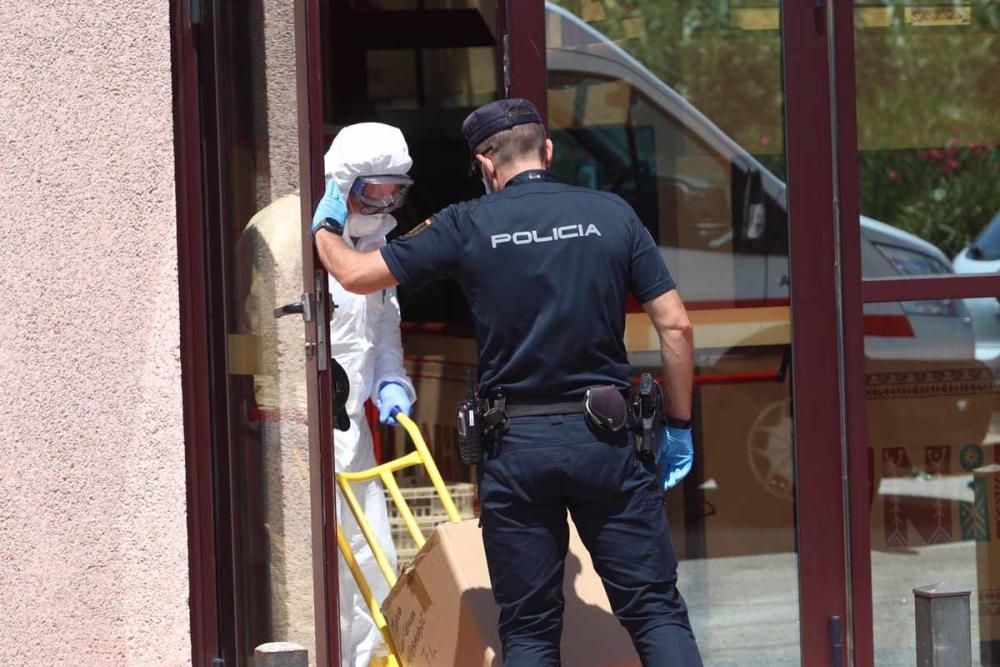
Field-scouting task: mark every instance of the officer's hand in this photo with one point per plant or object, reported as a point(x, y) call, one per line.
point(675, 457)
point(331, 212)
point(390, 396)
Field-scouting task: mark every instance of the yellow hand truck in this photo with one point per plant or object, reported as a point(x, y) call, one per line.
point(385, 472)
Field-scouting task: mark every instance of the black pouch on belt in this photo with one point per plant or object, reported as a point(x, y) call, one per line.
point(605, 407)
point(340, 391)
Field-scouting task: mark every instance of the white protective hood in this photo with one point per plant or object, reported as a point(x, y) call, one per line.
point(366, 149)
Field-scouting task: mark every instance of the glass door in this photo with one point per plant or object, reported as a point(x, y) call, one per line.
point(269, 397)
point(634, 108)
point(686, 111)
point(920, 159)
point(276, 82)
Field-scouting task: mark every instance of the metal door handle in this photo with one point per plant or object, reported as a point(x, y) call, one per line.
point(289, 309)
point(303, 308)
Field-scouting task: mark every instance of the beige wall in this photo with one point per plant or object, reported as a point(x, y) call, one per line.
point(276, 133)
point(93, 540)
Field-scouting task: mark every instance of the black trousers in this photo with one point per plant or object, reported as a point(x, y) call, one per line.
point(542, 467)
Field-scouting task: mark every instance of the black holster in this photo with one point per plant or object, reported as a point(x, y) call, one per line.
point(479, 421)
point(647, 415)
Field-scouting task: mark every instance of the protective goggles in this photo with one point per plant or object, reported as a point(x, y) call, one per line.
point(380, 193)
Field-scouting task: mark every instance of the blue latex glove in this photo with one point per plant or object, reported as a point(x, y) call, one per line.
point(331, 207)
point(392, 395)
point(675, 457)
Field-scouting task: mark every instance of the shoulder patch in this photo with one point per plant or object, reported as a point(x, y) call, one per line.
point(422, 227)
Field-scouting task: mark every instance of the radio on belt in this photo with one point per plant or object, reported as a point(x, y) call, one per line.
point(470, 445)
point(478, 420)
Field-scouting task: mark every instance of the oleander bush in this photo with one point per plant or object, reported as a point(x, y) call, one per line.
point(945, 195)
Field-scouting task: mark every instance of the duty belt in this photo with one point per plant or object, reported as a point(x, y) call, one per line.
point(543, 409)
point(606, 408)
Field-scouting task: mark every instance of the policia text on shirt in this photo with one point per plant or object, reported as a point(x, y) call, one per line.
point(547, 269)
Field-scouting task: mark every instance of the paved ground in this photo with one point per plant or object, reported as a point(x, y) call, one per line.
point(745, 610)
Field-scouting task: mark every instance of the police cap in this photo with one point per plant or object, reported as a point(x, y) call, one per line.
point(495, 117)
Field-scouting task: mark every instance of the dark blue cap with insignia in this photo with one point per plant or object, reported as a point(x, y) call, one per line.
point(495, 117)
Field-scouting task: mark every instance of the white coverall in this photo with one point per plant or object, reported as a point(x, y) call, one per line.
point(365, 339)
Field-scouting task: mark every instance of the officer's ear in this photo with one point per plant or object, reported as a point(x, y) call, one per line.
point(486, 165)
point(549, 150)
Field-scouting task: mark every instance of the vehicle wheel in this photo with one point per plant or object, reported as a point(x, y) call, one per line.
point(769, 448)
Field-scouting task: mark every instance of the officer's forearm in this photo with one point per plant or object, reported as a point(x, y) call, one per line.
point(677, 350)
point(669, 317)
point(358, 272)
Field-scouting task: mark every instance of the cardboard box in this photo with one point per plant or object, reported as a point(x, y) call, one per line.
point(441, 611)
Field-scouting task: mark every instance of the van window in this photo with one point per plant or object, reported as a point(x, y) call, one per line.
point(610, 136)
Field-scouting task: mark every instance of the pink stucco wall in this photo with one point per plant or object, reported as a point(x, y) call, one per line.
point(93, 538)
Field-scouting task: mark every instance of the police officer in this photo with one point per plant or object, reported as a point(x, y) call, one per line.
point(547, 269)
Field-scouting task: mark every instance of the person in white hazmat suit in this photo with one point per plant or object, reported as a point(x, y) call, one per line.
point(368, 164)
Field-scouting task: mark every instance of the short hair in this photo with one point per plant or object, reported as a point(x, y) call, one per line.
point(526, 140)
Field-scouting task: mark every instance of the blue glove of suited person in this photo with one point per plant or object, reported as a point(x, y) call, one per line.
point(393, 395)
point(675, 455)
point(331, 212)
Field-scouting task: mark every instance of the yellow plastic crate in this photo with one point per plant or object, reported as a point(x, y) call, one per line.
point(429, 512)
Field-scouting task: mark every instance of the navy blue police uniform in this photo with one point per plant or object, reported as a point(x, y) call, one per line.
point(547, 269)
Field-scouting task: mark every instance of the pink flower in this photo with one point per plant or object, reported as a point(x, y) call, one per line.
point(954, 142)
point(765, 140)
point(893, 175)
point(933, 154)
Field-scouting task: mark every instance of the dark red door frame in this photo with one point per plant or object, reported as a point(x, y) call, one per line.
point(855, 409)
point(195, 381)
point(815, 339)
point(523, 51)
point(216, 35)
point(203, 146)
point(917, 289)
point(308, 30)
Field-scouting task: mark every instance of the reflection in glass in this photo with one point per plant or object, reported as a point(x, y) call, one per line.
point(268, 425)
point(677, 108)
point(929, 164)
point(983, 256)
point(933, 431)
point(927, 118)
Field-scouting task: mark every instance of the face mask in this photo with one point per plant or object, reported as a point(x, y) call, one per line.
point(482, 176)
point(358, 225)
